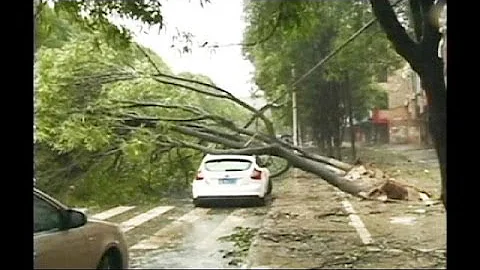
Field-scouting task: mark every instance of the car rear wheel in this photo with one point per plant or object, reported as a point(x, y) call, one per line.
point(262, 201)
point(111, 260)
point(196, 203)
point(269, 188)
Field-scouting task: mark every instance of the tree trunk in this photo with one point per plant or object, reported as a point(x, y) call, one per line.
point(323, 171)
point(330, 113)
point(336, 123)
point(321, 140)
point(330, 144)
point(434, 85)
point(422, 55)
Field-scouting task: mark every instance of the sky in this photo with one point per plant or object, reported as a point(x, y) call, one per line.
point(218, 22)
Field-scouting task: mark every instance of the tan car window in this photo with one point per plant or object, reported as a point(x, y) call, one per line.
point(45, 216)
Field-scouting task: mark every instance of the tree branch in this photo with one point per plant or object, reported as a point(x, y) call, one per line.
point(224, 93)
point(166, 119)
point(245, 151)
point(262, 40)
point(231, 140)
point(431, 34)
point(228, 95)
point(415, 10)
point(201, 128)
point(395, 32)
point(137, 104)
point(273, 140)
point(207, 137)
point(261, 111)
point(190, 88)
point(217, 136)
point(282, 171)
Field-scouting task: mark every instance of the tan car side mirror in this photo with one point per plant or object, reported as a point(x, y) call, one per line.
point(74, 219)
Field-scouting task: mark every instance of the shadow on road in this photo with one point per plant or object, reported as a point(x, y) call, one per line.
point(235, 203)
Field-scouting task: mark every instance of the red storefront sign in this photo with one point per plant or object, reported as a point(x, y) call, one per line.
point(380, 116)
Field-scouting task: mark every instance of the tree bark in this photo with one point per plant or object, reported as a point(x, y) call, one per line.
point(434, 86)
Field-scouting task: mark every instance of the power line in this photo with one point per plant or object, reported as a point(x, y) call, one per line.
point(339, 48)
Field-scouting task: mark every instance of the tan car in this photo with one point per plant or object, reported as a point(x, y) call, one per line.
point(65, 238)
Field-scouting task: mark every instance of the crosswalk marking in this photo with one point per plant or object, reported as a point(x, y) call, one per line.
point(112, 212)
point(156, 241)
point(144, 217)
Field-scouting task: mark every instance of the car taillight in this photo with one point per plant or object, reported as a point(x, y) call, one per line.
point(199, 176)
point(256, 174)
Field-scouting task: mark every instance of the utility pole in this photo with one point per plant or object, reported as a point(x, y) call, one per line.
point(294, 112)
point(350, 117)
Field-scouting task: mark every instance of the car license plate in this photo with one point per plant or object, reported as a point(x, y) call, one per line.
point(228, 181)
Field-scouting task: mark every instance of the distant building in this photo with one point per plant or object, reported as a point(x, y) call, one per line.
point(406, 116)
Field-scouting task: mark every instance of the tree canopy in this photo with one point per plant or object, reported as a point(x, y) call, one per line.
point(302, 33)
point(89, 125)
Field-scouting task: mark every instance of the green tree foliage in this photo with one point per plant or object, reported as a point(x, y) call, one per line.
point(304, 32)
point(83, 151)
point(93, 15)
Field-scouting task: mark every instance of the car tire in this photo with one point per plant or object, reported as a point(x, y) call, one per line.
point(196, 203)
point(110, 261)
point(262, 201)
point(269, 188)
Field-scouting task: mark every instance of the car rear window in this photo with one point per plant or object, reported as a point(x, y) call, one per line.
point(227, 165)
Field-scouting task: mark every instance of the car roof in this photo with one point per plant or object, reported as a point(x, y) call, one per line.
point(215, 157)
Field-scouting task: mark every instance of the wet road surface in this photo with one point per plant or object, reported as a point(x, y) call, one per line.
point(184, 236)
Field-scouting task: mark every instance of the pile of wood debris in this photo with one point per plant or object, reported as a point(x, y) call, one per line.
point(377, 184)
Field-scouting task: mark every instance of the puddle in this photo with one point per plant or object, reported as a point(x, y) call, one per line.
point(403, 220)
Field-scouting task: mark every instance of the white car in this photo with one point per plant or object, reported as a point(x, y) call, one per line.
point(231, 177)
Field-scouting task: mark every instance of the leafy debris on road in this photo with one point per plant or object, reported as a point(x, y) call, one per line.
point(242, 239)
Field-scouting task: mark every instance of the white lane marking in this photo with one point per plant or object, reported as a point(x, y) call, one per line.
point(144, 217)
point(112, 212)
point(357, 223)
point(155, 241)
point(224, 228)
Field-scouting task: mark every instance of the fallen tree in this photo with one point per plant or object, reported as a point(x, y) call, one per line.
point(218, 135)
